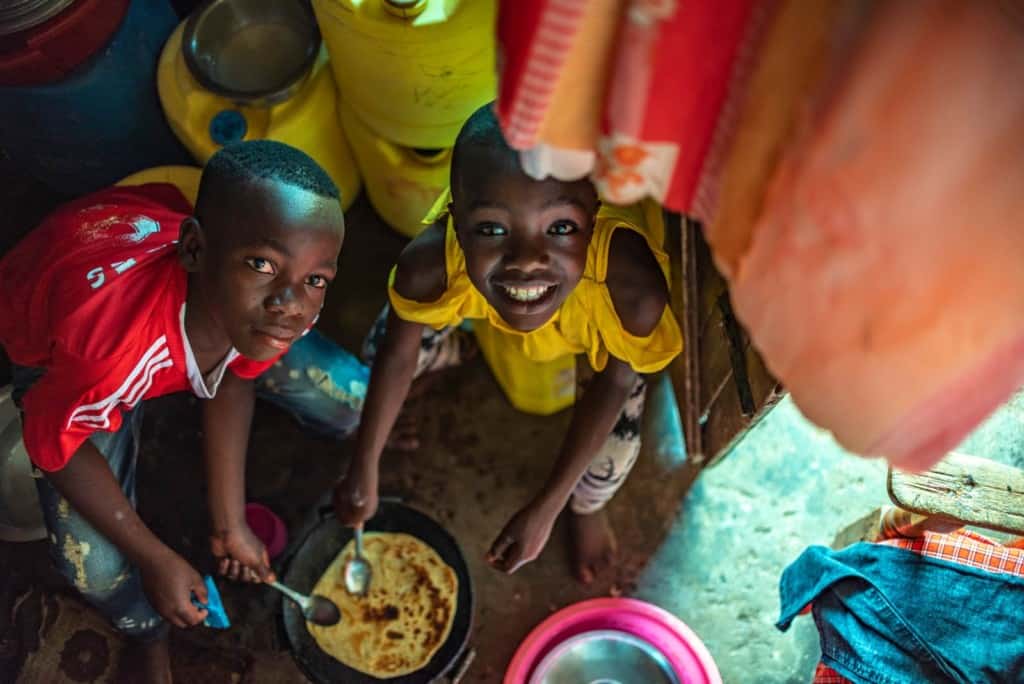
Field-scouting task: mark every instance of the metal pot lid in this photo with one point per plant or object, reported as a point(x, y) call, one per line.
point(604, 657)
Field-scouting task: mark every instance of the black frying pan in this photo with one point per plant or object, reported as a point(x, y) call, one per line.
point(322, 545)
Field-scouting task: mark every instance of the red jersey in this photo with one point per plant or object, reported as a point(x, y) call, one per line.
point(95, 296)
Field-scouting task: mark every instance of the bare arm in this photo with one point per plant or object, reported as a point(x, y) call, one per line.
point(592, 422)
point(526, 534)
point(421, 277)
point(89, 485)
point(390, 380)
point(227, 418)
point(355, 498)
point(226, 422)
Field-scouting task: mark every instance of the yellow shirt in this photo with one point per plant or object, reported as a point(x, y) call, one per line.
point(586, 323)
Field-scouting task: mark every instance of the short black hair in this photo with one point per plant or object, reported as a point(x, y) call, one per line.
point(267, 160)
point(481, 131)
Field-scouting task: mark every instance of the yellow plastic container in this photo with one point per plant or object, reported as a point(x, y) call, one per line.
point(416, 74)
point(402, 183)
point(308, 120)
point(541, 388)
point(185, 178)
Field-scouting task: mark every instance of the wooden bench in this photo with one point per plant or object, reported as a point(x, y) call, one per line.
point(959, 490)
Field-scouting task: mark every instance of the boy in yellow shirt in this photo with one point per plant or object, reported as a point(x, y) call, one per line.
point(553, 272)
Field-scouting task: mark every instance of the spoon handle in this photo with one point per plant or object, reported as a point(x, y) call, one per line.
point(359, 541)
point(293, 595)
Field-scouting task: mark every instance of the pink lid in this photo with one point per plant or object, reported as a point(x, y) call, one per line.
point(683, 649)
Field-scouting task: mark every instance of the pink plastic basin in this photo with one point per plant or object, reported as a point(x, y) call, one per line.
point(683, 649)
point(266, 525)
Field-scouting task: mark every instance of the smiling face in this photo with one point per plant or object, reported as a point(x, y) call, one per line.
point(525, 240)
point(265, 264)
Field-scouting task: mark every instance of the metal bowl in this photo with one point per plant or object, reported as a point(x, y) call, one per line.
point(604, 657)
point(20, 15)
point(255, 52)
point(21, 518)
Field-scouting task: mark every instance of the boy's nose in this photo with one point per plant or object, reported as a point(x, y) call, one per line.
point(284, 301)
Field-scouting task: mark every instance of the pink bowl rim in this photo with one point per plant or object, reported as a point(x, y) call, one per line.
point(528, 654)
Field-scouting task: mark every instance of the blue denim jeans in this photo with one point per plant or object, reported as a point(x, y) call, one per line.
point(94, 566)
point(891, 616)
point(321, 384)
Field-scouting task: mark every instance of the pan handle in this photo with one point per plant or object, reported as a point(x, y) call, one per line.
point(462, 667)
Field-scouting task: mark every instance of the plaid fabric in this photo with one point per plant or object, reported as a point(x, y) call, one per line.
point(966, 548)
point(826, 675)
point(961, 546)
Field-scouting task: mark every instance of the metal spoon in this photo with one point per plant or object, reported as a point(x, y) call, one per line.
point(316, 608)
point(357, 569)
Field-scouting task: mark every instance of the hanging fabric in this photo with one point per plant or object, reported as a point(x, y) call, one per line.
point(633, 93)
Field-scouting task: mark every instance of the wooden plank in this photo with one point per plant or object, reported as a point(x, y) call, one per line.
point(888, 522)
point(726, 426)
point(966, 489)
point(731, 402)
point(866, 529)
point(680, 239)
point(717, 404)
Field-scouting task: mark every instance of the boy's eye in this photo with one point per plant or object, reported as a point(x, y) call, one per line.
point(562, 228)
point(317, 281)
point(492, 229)
point(261, 265)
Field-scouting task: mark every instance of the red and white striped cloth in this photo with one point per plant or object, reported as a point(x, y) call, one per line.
point(635, 93)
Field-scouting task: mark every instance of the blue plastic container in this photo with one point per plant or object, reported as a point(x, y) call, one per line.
point(103, 122)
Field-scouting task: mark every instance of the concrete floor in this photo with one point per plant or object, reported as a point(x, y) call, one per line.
point(713, 559)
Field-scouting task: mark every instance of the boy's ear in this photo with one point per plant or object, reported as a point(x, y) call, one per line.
point(191, 244)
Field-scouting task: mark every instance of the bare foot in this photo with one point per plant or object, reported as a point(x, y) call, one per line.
point(146, 662)
point(592, 543)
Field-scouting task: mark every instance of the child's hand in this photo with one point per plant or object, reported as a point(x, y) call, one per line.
point(242, 555)
point(355, 497)
point(169, 582)
point(522, 540)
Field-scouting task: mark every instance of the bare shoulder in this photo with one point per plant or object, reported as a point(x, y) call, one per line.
point(420, 274)
point(636, 283)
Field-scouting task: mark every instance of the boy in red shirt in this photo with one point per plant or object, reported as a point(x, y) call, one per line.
point(128, 294)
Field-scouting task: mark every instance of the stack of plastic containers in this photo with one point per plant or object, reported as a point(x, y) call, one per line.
point(255, 69)
point(409, 73)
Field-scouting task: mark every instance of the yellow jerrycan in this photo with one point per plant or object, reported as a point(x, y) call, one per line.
point(307, 118)
point(414, 69)
point(538, 387)
point(401, 182)
point(185, 178)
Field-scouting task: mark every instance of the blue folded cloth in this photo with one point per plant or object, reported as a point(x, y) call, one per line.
point(888, 615)
point(215, 617)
